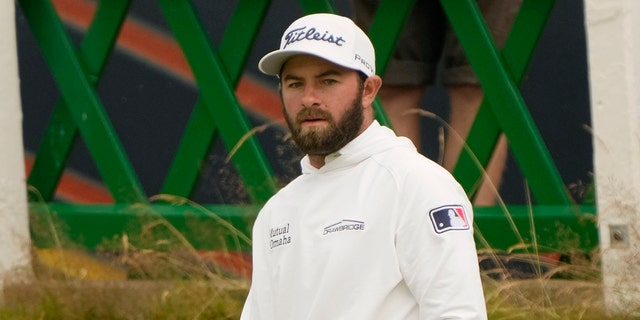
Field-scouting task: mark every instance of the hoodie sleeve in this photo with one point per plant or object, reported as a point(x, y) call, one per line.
point(436, 248)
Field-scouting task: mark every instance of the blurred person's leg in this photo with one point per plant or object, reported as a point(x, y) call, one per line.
point(398, 103)
point(466, 96)
point(413, 65)
point(465, 103)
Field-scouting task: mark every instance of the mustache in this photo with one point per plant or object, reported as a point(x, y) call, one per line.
point(312, 113)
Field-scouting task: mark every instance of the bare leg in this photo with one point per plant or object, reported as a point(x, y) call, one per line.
point(465, 102)
point(487, 194)
point(397, 102)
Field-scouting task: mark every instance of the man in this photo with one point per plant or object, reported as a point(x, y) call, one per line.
point(365, 231)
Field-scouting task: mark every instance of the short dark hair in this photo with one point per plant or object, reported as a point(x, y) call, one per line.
point(362, 78)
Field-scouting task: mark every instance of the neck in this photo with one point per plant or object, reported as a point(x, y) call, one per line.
point(317, 161)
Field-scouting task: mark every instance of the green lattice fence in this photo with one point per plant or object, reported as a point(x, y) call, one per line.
point(218, 115)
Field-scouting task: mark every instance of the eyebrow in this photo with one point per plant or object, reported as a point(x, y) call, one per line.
point(291, 77)
point(329, 72)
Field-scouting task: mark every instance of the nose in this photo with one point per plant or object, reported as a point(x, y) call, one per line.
point(310, 96)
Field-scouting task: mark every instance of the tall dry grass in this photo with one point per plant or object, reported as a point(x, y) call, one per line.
point(162, 276)
point(150, 271)
point(166, 278)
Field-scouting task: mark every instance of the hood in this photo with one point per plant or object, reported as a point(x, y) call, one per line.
point(375, 139)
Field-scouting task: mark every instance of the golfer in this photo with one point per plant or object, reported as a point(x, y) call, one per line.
point(366, 231)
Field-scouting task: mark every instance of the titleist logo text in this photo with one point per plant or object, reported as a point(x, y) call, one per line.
point(303, 33)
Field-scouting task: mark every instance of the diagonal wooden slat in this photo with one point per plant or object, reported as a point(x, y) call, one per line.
point(386, 28)
point(384, 32)
point(220, 100)
point(317, 6)
point(53, 154)
point(80, 112)
point(80, 97)
point(506, 102)
point(517, 52)
point(201, 129)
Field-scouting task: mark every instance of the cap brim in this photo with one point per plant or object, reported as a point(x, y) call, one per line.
point(272, 62)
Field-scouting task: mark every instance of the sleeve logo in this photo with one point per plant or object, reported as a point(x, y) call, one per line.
point(449, 218)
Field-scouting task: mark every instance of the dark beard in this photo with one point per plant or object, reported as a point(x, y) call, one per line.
point(331, 139)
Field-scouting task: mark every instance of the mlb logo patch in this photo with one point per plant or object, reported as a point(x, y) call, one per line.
point(449, 218)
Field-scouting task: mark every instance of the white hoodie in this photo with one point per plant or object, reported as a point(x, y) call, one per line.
point(378, 232)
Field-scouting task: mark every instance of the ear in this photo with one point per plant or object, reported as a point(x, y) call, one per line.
point(371, 87)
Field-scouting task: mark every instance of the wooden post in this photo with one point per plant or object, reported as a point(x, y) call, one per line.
point(15, 258)
point(613, 33)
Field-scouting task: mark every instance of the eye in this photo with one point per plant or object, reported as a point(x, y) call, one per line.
point(294, 84)
point(329, 81)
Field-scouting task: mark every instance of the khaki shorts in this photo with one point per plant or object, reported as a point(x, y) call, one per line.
point(428, 45)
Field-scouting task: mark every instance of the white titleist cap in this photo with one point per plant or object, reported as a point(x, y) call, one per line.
point(328, 36)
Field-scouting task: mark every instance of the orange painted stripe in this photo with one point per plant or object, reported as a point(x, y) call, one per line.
point(77, 13)
point(162, 51)
point(74, 187)
point(237, 262)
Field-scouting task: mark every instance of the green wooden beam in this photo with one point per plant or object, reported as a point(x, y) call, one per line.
point(219, 98)
point(504, 229)
point(544, 228)
point(517, 52)
point(62, 131)
point(202, 130)
point(507, 103)
point(79, 94)
point(102, 226)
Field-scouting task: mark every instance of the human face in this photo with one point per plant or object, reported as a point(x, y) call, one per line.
point(322, 104)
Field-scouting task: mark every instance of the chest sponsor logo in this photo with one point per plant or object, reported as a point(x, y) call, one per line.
point(449, 218)
point(344, 225)
point(279, 236)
